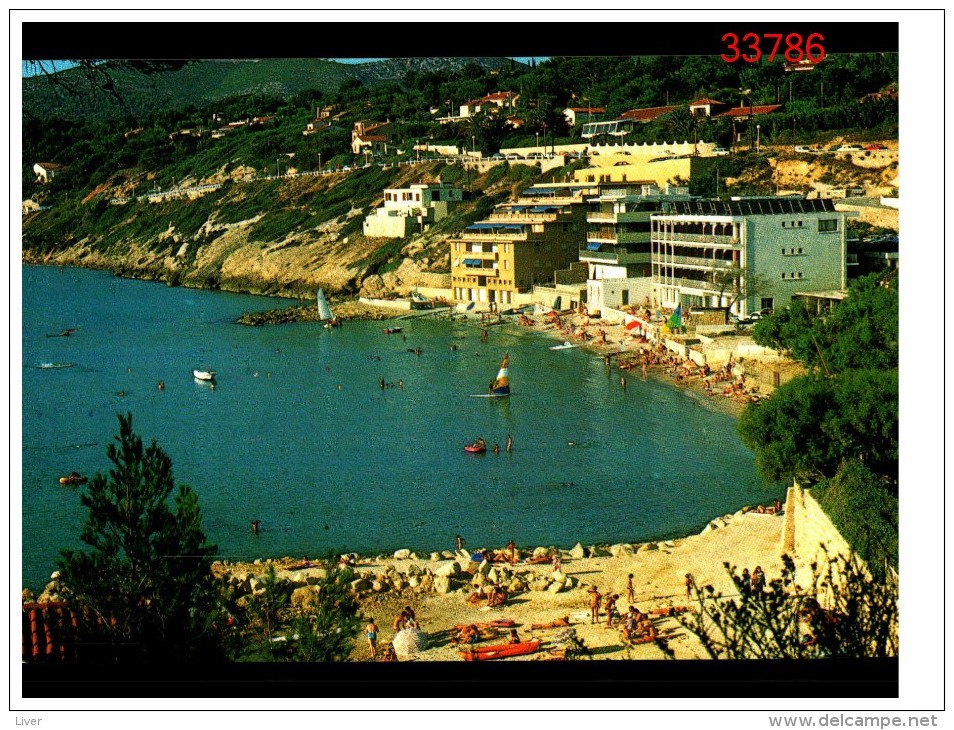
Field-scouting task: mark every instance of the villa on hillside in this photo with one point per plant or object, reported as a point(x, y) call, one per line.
point(371, 137)
point(582, 114)
point(46, 171)
point(412, 209)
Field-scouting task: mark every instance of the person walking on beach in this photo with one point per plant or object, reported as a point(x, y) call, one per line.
point(512, 547)
point(688, 585)
point(758, 582)
point(460, 543)
point(595, 599)
point(372, 633)
point(630, 591)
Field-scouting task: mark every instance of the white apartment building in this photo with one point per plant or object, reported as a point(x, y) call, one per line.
point(412, 209)
point(702, 251)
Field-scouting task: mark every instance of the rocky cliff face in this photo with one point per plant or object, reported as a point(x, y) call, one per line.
point(242, 256)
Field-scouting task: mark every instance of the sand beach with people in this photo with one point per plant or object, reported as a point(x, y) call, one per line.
point(542, 598)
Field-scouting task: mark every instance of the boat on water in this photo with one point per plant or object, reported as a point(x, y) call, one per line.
point(325, 315)
point(54, 365)
point(73, 478)
point(208, 375)
point(499, 651)
point(567, 345)
point(392, 330)
point(478, 447)
point(500, 386)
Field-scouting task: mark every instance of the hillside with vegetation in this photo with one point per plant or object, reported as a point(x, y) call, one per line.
point(148, 128)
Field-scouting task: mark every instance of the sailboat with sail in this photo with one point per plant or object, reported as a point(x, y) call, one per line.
point(324, 311)
point(500, 386)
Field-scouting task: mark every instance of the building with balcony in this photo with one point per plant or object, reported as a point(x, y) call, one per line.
point(758, 251)
point(617, 249)
point(412, 209)
point(518, 246)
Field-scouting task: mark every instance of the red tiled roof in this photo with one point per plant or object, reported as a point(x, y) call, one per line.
point(44, 630)
point(51, 165)
point(590, 109)
point(744, 111)
point(706, 101)
point(498, 96)
point(371, 138)
point(648, 114)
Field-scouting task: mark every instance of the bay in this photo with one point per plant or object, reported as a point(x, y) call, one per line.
point(299, 434)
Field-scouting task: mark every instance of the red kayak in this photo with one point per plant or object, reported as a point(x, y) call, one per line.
point(500, 651)
point(475, 448)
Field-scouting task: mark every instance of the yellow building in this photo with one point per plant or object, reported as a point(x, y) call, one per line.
point(519, 245)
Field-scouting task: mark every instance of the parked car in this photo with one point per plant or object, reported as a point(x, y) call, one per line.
point(849, 148)
point(875, 147)
point(760, 314)
point(720, 151)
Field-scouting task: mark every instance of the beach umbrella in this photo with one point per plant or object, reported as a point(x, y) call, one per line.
point(408, 642)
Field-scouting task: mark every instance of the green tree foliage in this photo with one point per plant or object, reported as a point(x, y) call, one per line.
point(146, 583)
point(328, 628)
point(859, 332)
point(811, 425)
point(857, 617)
point(865, 511)
point(322, 629)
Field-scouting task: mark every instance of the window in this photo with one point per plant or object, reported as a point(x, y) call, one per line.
point(828, 225)
point(506, 264)
point(625, 299)
point(800, 224)
point(799, 250)
point(783, 275)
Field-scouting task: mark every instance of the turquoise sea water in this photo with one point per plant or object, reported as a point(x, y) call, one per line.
point(299, 435)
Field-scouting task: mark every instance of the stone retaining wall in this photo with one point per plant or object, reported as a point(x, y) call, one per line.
point(807, 528)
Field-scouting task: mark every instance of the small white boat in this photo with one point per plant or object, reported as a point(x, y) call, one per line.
point(567, 345)
point(203, 374)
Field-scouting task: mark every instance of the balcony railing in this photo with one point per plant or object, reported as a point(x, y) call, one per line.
point(600, 217)
point(685, 283)
point(705, 263)
point(472, 235)
point(615, 257)
point(695, 238)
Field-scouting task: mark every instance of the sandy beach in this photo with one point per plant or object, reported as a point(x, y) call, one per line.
point(745, 539)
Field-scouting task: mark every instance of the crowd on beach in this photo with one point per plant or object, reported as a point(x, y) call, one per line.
point(635, 351)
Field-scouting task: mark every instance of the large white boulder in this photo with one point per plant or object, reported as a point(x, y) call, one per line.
point(449, 569)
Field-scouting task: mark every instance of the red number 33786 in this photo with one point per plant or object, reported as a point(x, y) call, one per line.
point(749, 48)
